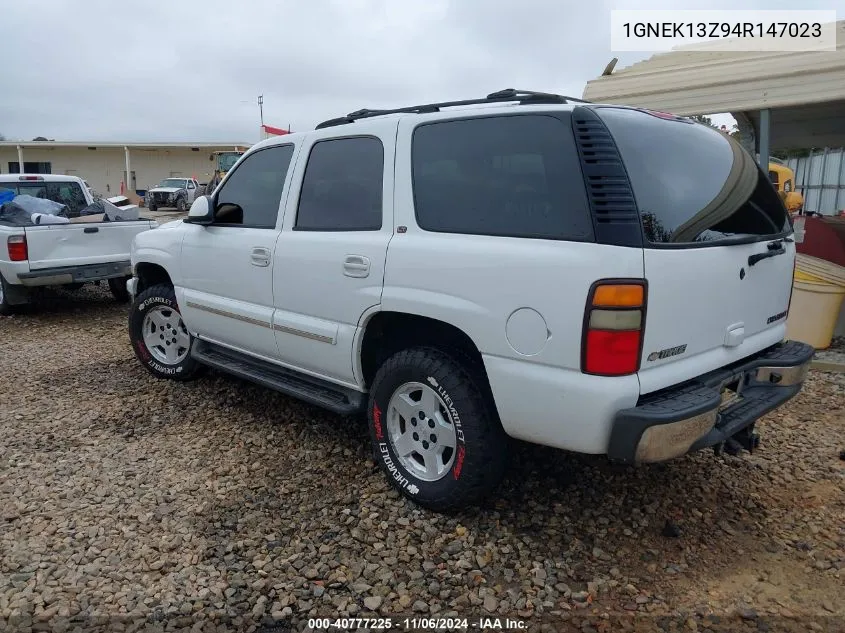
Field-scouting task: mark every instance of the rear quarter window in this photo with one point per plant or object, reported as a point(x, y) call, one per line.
point(516, 176)
point(693, 184)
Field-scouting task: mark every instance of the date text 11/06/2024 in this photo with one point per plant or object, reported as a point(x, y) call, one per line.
point(417, 624)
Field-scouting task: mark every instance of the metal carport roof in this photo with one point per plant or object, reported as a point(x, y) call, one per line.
point(803, 91)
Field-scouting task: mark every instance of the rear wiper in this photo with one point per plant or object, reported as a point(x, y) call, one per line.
point(775, 248)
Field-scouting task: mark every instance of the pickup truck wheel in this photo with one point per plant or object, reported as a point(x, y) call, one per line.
point(181, 205)
point(152, 206)
point(159, 337)
point(117, 285)
point(5, 307)
point(434, 432)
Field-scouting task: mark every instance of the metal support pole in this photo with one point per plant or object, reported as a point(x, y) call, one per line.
point(840, 181)
point(821, 181)
point(765, 138)
point(128, 172)
point(20, 159)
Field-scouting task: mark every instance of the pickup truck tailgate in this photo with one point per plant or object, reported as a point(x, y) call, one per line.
point(58, 245)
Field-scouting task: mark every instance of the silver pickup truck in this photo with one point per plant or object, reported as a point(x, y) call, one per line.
point(70, 254)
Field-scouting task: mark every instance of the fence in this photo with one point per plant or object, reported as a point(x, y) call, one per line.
point(820, 177)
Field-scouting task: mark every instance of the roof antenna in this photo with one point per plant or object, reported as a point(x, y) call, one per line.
point(609, 68)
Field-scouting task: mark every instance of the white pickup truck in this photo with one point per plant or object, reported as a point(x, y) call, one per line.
point(61, 254)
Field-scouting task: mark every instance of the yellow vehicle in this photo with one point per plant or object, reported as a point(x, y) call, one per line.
point(224, 162)
point(783, 178)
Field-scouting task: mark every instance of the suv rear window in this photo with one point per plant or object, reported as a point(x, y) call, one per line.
point(515, 176)
point(693, 184)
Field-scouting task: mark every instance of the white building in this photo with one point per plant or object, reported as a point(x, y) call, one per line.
point(105, 165)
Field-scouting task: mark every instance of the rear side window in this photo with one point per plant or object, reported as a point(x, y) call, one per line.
point(251, 195)
point(693, 184)
point(515, 176)
point(342, 187)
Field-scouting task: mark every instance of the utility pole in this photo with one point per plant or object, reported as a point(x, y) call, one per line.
point(261, 108)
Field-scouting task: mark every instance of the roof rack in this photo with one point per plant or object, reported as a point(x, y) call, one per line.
point(502, 96)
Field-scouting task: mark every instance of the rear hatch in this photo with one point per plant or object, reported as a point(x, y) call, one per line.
point(718, 253)
point(58, 245)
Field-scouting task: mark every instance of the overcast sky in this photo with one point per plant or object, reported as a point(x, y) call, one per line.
point(191, 70)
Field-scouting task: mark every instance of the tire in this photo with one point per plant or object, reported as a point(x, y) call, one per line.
point(478, 461)
point(117, 285)
point(74, 286)
point(181, 205)
point(6, 308)
point(158, 303)
point(153, 206)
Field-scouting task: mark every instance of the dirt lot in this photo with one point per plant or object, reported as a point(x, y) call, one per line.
point(126, 502)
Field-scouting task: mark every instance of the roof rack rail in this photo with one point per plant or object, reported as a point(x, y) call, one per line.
point(502, 96)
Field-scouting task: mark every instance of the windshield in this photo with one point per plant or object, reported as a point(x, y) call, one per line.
point(691, 183)
point(225, 162)
point(178, 183)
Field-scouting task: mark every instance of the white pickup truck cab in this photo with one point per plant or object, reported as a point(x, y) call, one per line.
point(62, 254)
point(599, 279)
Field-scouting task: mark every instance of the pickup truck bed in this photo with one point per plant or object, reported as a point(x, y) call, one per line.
point(62, 254)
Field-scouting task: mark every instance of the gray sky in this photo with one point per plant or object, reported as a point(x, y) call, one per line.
point(191, 70)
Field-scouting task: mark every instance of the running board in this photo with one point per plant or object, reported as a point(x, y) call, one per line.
point(287, 381)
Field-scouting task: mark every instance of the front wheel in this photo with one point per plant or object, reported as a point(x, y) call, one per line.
point(159, 337)
point(152, 206)
point(435, 432)
point(181, 205)
point(117, 286)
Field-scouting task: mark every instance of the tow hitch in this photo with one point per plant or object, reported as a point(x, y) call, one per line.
point(746, 439)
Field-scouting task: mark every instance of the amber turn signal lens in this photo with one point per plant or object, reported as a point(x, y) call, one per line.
point(618, 295)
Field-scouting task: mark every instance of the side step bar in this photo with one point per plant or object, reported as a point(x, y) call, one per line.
point(292, 383)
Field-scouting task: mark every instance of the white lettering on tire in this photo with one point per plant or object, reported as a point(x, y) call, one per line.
point(394, 471)
point(151, 300)
point(456, 419)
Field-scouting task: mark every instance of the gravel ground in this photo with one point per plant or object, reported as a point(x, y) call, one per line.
point(835, 353)
point(130, 503)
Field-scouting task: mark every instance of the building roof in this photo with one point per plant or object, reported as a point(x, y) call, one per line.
point(687, 82)
point(129, 144)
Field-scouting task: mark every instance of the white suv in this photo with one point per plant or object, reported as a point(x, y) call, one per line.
point(599, 279)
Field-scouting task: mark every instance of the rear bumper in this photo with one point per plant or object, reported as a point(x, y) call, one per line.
point(75, 274)
point(690, 417)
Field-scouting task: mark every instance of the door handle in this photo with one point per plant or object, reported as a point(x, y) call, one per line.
point(90, 229)
point(356, 266)
point(260, 256)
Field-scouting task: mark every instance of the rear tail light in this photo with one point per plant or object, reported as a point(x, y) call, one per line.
point(17, 248)
point(614, 322)
point(31, 178)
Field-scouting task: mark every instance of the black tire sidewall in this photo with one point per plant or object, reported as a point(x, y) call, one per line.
point(6, 308)
point(469, 415)
point(145, 302)
point(181, 205)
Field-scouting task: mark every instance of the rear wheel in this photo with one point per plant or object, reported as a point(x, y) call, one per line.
point(5, 307)
point(159, 338)
point(434, 431)
point(117, 285)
